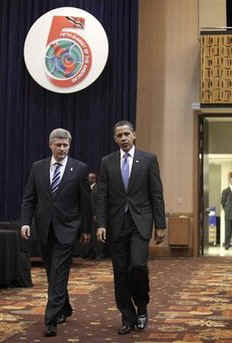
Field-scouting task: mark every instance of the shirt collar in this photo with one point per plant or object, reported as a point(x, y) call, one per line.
point(62, 162)
point(93, 185)
point(131, 152)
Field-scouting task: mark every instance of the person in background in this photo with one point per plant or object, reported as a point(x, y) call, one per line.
point(98, 248)
point(226, 201)
point(129, 199)
point(57, 194)
point(92, 178)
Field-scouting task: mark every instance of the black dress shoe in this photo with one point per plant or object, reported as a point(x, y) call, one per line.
point(62, 318)
point(50, 330)
point(142, 321)
point(125, 329)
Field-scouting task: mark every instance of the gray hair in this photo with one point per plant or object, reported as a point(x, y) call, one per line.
point(59, 134)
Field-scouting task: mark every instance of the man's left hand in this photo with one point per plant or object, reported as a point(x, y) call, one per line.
point(85, 238)
point(160, 235)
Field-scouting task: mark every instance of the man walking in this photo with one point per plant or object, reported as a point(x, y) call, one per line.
point(129, 199)
point(226, 201)
point(58, 196)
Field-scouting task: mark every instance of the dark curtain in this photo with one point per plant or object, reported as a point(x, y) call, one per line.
point(29, 112)
point(229, 13)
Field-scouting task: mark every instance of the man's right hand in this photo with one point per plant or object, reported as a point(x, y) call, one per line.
point(101, 234)
point(25, 231)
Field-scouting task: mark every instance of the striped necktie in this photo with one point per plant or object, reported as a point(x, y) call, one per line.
point(56, 178)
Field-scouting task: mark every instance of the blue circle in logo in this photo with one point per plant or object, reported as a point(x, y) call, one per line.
point(64, 59)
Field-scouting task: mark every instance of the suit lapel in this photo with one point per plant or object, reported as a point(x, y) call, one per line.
point(117, 170)
point(135, 170)
point(69, 169)
point(47, 173)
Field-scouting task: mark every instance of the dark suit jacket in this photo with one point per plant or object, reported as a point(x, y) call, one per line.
point(94, 199)
point(144, 195)
point(69, 209)
point(226, 201)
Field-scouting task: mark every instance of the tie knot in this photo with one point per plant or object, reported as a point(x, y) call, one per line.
point(126, 155)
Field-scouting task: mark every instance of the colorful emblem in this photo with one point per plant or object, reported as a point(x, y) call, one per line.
point(68, 57)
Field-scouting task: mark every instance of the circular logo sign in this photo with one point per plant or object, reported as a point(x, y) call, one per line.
point(66, 50)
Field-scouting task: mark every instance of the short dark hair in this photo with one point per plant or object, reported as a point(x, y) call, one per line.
point(123, 123)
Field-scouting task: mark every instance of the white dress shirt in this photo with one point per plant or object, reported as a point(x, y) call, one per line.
point(130, 157)
point(53, 167)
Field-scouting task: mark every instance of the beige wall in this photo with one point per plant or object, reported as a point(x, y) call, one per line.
point(219, 137)
point(168, 84)
point(212, 13)
point(214, 186)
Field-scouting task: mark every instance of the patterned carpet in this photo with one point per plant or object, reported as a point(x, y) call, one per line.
point(191, 301)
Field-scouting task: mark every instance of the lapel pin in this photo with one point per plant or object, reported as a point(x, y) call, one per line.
point(71, 169)
point(137, 161)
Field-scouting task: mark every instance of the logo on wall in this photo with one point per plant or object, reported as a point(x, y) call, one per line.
point(66, 50)
point(68, 56)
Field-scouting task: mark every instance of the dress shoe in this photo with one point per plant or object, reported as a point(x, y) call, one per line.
point(142, 321)
point(62, 318)
point(50, 330)
point(125, 329)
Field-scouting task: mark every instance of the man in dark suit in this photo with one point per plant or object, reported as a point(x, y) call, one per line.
point(58, 196)
point(129, 199)
point(226, 201)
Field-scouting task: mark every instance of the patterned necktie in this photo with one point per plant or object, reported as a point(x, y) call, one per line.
point(125, 170)
point(56, 178)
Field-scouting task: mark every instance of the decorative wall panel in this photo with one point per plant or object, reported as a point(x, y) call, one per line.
point(216, 69)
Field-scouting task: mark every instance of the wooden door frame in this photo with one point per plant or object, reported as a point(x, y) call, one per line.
point(196, 185)
point(205, 112)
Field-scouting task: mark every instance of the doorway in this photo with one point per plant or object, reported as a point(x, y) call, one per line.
point(215, 162)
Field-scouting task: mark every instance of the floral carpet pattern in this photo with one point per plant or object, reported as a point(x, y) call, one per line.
point(191, 301)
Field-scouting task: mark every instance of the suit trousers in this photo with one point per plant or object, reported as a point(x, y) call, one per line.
point(228, 231)
point(131, 282)
point(57, 258)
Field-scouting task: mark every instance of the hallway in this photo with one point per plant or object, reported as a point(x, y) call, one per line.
point(217, 251)
point(191, 301)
